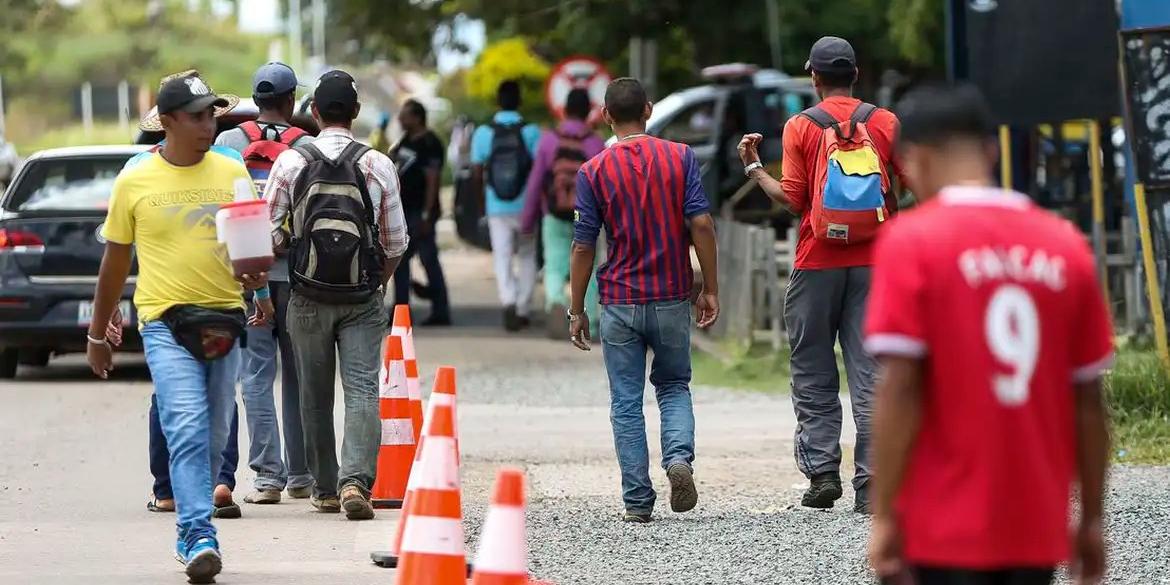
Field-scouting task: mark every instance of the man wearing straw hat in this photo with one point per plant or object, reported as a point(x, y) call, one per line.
point(190, 305)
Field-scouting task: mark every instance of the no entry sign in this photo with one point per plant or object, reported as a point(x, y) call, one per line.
point(576, 72)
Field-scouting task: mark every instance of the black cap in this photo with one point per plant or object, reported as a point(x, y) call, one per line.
point(189, 94)
point(831, 55)
point(336, 92)
point(273, 79)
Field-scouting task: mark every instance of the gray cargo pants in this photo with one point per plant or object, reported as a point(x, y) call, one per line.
point(820, 308)
point(321, 334)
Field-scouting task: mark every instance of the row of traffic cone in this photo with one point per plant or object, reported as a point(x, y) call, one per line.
point(419, 472)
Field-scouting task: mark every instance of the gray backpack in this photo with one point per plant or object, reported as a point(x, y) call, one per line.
point(334, 253)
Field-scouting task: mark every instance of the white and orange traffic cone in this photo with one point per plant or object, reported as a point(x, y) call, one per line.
point(397, 452)
point(445, 380)
point(503, 546)
point(432, 550)
point(403, 328)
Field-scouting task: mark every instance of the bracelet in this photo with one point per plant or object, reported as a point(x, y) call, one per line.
point(262, 293)
point(747, 171)
point(95, 341)
point(572, 317)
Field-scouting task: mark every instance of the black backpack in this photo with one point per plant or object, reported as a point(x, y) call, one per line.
point(334, 253)
point(509, 162)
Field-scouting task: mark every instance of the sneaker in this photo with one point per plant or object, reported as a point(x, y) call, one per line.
point(436, 321)
point(228, 511)
point(326, 504)
point(861, 502)
point(357, 505)
point(824, 489)
point(203, 561)
point(683, 495)
point(300, 493)
point(523, 322)
point(511, 318)
point(635, 518)
point(267, 496)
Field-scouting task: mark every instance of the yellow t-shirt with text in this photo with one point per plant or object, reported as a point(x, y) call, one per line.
point(168, 213)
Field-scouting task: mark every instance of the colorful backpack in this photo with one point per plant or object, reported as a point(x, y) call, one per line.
point(262, 151)
point(561, 195)
point(850, 184)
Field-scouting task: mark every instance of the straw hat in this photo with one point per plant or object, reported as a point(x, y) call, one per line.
point(151, 123)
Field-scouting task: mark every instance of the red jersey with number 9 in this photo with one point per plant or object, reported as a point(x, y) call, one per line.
point(1000, 300)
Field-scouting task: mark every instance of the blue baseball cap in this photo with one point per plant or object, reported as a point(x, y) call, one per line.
point(273, 79)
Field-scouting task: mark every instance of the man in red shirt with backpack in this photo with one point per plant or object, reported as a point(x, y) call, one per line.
point(836, 177)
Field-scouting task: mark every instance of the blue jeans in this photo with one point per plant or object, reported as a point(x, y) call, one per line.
point(160, 457)
point(257, 373)
point(627, 331)
point(196, 402)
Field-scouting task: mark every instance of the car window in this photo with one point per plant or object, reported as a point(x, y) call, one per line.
point(782, 105)
point(66, 183)
point(693, 125)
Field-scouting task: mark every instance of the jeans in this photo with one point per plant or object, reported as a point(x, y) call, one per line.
point(320, 333)
point(558, 243)
point(160, 458)
point(196, 402)
point(627, 331)
point(427, 248)
point(257, 374)
point(822, 307)
point(515, 288)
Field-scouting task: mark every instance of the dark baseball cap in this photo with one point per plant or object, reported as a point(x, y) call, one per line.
point(336, 92)
point(273, 79)
point(831, 55)
point(188, 94)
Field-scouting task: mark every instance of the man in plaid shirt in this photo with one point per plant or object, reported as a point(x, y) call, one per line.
point(320, 331)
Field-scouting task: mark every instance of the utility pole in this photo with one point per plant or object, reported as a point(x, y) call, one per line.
point(774, 33)
point(87, 107)
point(319, 14)
point(124, 106)
point(295, 25)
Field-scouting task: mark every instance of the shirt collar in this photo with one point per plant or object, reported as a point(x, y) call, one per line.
point(983, 197)
point(336, 131)
point(507, 117)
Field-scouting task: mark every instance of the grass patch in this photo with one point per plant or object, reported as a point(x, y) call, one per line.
point(756, 368)
point(1138, 394)
point(75, 135)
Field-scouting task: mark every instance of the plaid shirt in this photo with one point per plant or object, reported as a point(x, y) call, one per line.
point(381, 180)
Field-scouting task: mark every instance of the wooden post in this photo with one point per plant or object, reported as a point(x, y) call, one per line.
point(1098, 190)
point(1005, 157)
point(1152, 289)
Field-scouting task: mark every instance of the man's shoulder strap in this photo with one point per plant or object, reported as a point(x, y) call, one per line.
point(353, 152)
point(820, 117)
point(252, 130)
point(291, 135)
point(311, 153)
point(863, 113)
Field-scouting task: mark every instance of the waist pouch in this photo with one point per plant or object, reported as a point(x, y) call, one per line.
point(209, 334)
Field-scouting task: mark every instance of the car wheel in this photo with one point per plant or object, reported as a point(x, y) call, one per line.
point(37, 358)
point(8, 360)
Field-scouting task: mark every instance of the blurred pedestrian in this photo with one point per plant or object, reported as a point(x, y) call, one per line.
point(419, 157)
point(550, 201)
point(645, 284)
point(501, 155)
point(189, 304)
point(345, 236)
point(260, 142)
point(989, 322)
point(842, 203)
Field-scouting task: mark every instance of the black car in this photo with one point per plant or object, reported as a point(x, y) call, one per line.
point(50, 250)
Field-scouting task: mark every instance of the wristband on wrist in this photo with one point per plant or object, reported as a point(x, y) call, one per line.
point(747, 171)
point(262, 293)
point(95, 341)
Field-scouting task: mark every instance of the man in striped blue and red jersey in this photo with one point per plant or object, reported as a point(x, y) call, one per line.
point(647, 194)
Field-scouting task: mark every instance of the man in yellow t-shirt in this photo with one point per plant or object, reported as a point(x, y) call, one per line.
point(165, 205)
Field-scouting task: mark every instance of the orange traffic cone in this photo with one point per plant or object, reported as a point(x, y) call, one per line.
point(503, 544)
point(445, 380)
point(397, 452)
point(403, 328)
point(432, 542)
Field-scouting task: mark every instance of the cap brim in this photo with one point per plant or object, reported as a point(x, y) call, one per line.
point(222, 104)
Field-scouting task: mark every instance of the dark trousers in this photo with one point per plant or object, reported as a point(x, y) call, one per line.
point(427, 248)
point(160, 457)
point(943, 576)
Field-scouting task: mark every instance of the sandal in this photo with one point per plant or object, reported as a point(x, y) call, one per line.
point(152, 505)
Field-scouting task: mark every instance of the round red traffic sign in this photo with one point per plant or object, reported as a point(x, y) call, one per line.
point(578, 71)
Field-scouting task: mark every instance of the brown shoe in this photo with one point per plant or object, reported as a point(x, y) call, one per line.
point(326, 504)
point(300, 493)
point(357, 505)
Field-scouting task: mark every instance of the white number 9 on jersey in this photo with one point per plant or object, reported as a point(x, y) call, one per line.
point(1012, 326)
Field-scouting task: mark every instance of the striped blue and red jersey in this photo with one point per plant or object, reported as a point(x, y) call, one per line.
point(642, 191)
